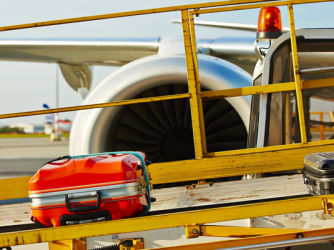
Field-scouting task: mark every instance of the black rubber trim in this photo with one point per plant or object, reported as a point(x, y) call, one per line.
point(71, 217)
point(269, 35)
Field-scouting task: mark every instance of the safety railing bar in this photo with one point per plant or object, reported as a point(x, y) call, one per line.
point(99, 105)
point(320, 83)
point(255, 90)
point(269, 148)
point(238, 7)
point(265, 89)
point(272, 88)
point(254, 5)
point(127, 14)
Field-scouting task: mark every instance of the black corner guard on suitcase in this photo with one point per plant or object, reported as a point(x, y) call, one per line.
point(83, 208)
point(88, 216)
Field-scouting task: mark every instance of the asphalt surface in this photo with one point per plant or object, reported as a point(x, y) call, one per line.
point(24, 156)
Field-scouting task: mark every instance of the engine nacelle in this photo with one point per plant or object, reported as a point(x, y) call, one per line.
point(162, 129)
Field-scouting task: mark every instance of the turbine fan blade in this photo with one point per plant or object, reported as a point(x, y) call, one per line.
point(140, 124)
point(168, 105)
point(148, 116)
point(127, 133)
point(217, 110)
point(163, 130)
point(157, 107)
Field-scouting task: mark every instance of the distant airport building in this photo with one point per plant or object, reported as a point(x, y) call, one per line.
point(64, 127)
point(29, 128)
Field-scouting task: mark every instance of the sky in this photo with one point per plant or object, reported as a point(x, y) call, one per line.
point(26, 86)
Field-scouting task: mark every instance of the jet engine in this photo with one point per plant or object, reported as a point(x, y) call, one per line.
point(162, 130)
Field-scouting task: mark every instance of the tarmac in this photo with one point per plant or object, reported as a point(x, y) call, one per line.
point(24, 156)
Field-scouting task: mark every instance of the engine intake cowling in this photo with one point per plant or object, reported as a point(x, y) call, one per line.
point(162, 129)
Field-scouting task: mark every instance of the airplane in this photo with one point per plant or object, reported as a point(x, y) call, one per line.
point(150, 67)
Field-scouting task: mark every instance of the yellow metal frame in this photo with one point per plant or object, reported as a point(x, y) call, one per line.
point(162, 221)
point(218, 164)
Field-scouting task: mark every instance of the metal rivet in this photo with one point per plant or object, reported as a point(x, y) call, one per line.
point(300, 235)
point(195, 231)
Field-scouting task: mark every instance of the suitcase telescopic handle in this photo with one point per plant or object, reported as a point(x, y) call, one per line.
point(83, 208)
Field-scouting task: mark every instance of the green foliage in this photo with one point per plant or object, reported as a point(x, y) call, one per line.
point(8, 130)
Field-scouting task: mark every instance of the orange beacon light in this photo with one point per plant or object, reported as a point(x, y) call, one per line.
point(269, 24)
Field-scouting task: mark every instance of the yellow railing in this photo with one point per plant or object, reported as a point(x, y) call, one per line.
point(195, 96)
point(206, 165)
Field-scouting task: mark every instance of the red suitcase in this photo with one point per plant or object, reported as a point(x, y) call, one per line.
point(80, 189)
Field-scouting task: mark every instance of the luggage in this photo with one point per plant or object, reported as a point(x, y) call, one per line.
point(318, 173)
point(88, 188)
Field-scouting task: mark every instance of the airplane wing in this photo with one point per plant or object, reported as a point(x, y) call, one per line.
point(113, 52)
point(75, 56)
point(233, 26)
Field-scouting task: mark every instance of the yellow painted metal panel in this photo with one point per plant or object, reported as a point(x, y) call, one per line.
point(194, 92)
point(299, 96)
point(321, 83)
point(100, 105)
point(198, 85)
point(61, 245)
point(75, 244)
point(79, 244)
point(14, 188)
point(251, 240)
point(162, 221)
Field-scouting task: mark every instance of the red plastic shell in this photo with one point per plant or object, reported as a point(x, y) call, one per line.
point(269, 20)
point(84, 172)
point(87, 172)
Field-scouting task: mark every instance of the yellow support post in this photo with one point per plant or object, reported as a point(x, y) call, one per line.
point(194, 94)
point(198, 84)
point(299, 96)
